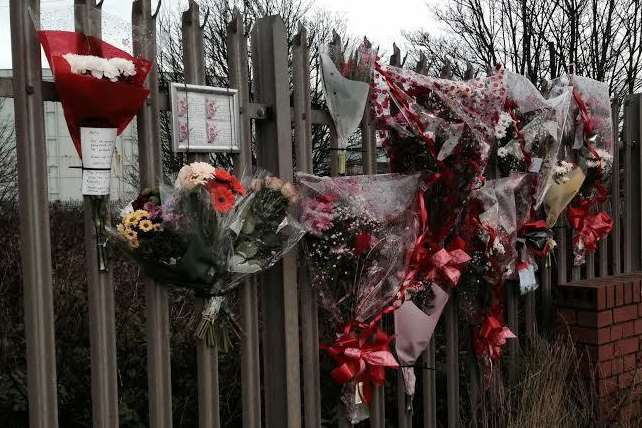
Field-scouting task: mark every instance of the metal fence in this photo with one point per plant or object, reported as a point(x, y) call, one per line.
point(280, 119)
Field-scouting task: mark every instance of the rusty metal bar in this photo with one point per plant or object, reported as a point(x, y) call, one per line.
point(546, 315)
point(616, 235)
point(309, 316)
point(279, 285)
point(149, 162)
point(206, 357)
point(429, 399)
point(452, 359)
point(629, 130)
point(102, 334)
point(404, 418)
point(250, 358)
point(34, 216)
point(254, 110)
point(512, 321)
point(530, 316)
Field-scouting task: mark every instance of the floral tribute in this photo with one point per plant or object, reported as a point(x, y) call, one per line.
point(446, 130)
point(207, 233)
point(101, 89)
point(360, 237)
point(99, 85)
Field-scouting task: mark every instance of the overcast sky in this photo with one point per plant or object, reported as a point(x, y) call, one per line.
point(380, 20)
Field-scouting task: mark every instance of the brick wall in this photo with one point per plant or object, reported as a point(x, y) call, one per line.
point(604, 318)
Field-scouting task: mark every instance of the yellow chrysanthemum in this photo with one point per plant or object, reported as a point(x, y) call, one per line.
point(131, 234)
point(157, 227)
point(120, 228)
point(130, 220)
point(134, 243)
point(145, 225)
point(140, 214)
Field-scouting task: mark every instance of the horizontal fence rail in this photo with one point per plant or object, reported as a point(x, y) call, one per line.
point(279, 343)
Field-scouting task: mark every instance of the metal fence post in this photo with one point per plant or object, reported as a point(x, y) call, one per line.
point(250, 358)
point(615, 240)
point(149, 161)
point(102, 334)
point(207, 357)
point(279, 285)
point(34, 216)
point(309, 311)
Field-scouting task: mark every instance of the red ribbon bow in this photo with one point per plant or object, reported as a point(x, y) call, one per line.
point(590, 227)
point(491, 337)
point(362, 353)
point(447, 265)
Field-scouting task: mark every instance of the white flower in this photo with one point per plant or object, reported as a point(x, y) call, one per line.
point(498, 248)
point(98, 67)
point(604, 160)
point(561, 171)
point(192, 175)
point(126, 210)
point(504, 122)
point(511, 149)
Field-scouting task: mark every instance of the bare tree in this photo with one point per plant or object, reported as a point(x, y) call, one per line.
point(8, 160)
point(318, 22)
point(538, 38)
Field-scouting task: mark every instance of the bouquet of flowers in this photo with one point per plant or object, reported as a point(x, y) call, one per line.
point(360, 234)
point(101, 89)
point(345, 89)
point(494, 217)
point(529, 133)
point(208, 232)
point(441, 128)
point(587, 166)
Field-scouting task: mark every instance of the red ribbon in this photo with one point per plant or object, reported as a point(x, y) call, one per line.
point(447, 265)
point(362, 353)
point(590, 227)
point(584, 113)
point(492, 335)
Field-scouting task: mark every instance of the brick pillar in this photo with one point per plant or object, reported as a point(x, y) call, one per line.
point(604, 317)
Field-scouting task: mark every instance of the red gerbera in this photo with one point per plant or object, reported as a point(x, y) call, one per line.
point(222, 197)
point(223, 175)
point(237, 186)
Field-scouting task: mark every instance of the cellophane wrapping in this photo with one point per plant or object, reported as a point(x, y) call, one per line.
point(87, 100)
point(441, 128)
point(360, 231)
point(534, 145)
point(209, 230)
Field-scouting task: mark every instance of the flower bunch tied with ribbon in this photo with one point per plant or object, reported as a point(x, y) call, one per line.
point(360, 232)
point(207, 233)
point(590, 142)
point(101, 88)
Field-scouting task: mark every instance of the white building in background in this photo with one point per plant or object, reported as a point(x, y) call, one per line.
point(64, 180)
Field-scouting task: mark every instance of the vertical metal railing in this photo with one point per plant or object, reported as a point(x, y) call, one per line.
point(35, 249)
point(102, 334)
point(149, 162)
point(206, 357)
point(309, 309)
point(615, 240)
point(237, 60)
point(282, 341)
point(279, 299)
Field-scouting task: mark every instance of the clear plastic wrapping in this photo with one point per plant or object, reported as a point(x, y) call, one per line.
point(360, 232)
point(210, 230)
